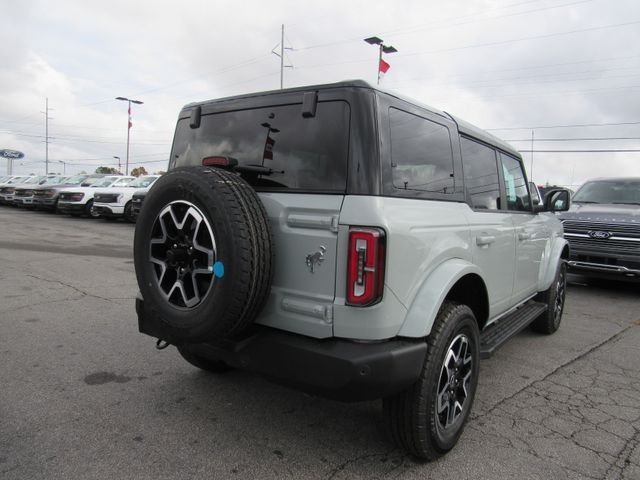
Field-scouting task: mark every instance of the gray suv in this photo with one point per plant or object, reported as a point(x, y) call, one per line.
point(351, 243)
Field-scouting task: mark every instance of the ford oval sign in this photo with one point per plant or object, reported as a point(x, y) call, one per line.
point(599, 234)
point(11, 154)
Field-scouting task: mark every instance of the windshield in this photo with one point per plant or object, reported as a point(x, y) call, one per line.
point(122, 182)
point(17, 180)
point(142, 182)
point(103, 182)
point(31, 180)
point(609, 191)
point(54, 181)
point(77, 180)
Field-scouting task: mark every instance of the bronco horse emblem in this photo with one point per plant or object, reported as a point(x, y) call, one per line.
point(315, 258)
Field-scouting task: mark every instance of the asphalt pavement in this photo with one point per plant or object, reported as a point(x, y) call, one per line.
point(85, 396)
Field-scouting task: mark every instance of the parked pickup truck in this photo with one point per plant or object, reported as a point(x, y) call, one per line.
point(603, 229)
point(78, 200)
point(351, 243)
point(23, 194)
point(117, 202)
point(46, 196)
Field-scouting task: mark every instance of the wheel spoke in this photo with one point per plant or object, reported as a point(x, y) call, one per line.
point(163, 267)
point(465, 384)
point(163, 228)
point(456, 411)
point(443, 399)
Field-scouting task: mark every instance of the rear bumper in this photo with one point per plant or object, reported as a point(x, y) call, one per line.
point(333, 368)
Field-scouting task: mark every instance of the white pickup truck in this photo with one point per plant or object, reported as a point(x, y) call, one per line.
point(78, 200)
point(116, 202)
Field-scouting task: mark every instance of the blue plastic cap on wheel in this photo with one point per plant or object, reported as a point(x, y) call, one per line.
point(218, 269)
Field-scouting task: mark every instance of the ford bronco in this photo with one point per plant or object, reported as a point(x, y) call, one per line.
point(351, 243)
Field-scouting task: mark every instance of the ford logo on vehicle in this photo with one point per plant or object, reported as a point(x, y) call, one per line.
point(599, 234)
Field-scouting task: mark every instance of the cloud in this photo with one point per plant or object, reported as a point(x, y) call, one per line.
point(493, 63)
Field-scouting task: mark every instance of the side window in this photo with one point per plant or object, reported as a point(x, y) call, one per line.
point(480, 175)
point(515, 185)
point(421, 155)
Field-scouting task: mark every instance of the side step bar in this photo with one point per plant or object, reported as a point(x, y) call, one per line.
point(498, 333)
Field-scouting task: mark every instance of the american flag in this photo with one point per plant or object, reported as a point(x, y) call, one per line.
point(383, 68)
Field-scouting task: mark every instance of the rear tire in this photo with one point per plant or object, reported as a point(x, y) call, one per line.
point(427, 419)
point(554, 298)
point(213, 366)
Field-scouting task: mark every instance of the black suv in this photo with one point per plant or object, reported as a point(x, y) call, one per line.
point(603, 229)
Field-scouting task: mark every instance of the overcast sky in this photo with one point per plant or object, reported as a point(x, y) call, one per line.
point(504, 65)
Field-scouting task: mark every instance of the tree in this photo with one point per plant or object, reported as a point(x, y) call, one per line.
point(136, 172)
point(109, 170)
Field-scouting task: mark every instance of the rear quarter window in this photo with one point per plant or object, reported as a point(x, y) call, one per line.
point(421, 154)
point(304, 154)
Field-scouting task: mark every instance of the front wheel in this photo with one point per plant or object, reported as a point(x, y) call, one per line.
point(428, 418)
point(90, 211)
point(554, 297)
point(128, 213)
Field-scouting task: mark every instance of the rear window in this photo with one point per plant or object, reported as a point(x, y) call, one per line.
point(308, 154)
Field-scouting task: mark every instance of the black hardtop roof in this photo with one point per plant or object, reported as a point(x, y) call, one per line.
point(464, 127)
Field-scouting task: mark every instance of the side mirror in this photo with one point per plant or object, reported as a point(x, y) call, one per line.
point(535, 194)
point(557, 200)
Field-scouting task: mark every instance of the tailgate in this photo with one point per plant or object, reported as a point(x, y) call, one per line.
point(305, 231)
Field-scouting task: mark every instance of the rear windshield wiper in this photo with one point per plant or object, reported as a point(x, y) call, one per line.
point(626, 203)
point(256, 170)
point(584, 201)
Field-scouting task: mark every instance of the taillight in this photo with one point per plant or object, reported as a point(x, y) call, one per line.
point(365, 270)
point(225, 162)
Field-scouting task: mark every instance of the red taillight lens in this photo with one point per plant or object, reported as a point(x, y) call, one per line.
point(365, 270)
point(219, 162)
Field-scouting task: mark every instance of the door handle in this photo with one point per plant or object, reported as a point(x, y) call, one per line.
point(524, 236)
point(485, 240)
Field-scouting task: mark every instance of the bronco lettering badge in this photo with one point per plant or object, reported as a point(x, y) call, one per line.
point(599, 234)
point(315, 258)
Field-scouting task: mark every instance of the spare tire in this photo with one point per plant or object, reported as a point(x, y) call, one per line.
point(203, 255)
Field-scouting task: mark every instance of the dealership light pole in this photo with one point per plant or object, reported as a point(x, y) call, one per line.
point(383, 49)
point(46, 134)
point(118, 158)
point(130, 101)
point(64, 166)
